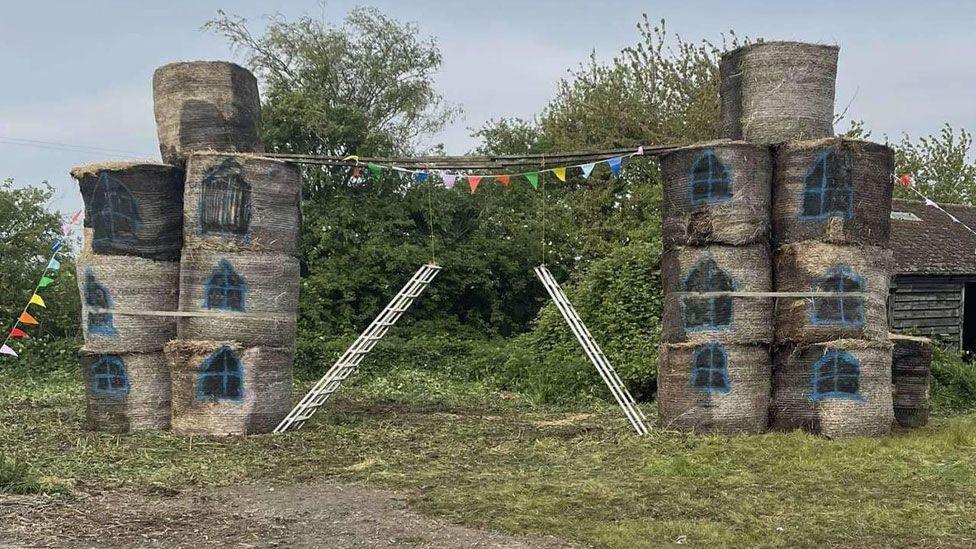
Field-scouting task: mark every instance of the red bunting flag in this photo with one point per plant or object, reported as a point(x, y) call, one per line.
point(26, 318)
point(905, 179)
point(473, 181)
point(355, 171)
point(17, 333)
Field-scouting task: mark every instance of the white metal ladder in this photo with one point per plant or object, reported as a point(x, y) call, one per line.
point(593, 351)
point(349, 361)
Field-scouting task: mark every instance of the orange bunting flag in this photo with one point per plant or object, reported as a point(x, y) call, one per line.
point(17, 333)
point(26, 318)
point(36, 300)
point(473, 181)
point(504, 180)
point(560, 174)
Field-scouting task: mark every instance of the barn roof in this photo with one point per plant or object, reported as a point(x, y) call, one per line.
point(925, 241)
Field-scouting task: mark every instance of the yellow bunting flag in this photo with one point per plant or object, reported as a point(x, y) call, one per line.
point(560, 174)
point(36, 300)
point(26, 318)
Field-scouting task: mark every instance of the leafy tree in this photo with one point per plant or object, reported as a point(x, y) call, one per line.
point(940, 166)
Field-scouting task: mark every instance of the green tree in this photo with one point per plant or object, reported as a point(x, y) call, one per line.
point(940, 166)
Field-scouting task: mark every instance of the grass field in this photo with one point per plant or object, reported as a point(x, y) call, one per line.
point(492, 461)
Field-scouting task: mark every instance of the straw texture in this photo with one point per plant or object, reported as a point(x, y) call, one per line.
point(743, 408)
point(126, 392)
point(910, 377)
point(260, 398)
point(205, 105)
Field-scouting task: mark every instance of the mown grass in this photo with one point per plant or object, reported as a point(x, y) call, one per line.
point(488, 460)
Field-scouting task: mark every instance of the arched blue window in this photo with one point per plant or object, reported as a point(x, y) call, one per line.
point(109, 377)
point(703, 314)
point(225, 289)
point(709, 369)
point(221, 377)
point(827, 188)
point(710, 180)
point(97, 298)
point(114, 212)
point(836, 375)
point(225, 200)
point(845, 311)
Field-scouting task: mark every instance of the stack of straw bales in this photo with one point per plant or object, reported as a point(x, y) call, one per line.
point(232, 364)
point(715, 364)
point(128, 266)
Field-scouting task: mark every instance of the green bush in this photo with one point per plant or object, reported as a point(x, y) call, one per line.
point(16, 477)
point(953, 388)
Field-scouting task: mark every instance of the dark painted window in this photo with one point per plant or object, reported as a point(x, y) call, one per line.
point(710, 180)
point(114, 211)
point(839, 310)
point(836, 375)
point(97, 298)
point(221, 377)
point(707, 313)
point(827, 188)
point(109, 377)
point(225, 289)
point(709, 368)
point(225, 200)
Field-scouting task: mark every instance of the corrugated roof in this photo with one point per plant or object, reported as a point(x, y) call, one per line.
point(935, 244)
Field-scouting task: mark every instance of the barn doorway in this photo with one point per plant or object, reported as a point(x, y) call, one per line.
point(968, 343)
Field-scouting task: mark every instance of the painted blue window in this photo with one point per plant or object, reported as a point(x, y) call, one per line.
point(710, 180)
point(98, 298)
point(701, 314)
point(221, 377)
point(710, 369)
point(836, 375)
point(225, 289)
point(114, 214)
point(225, 200)
point(109, 377)
point(827, 188)
point(845, 311)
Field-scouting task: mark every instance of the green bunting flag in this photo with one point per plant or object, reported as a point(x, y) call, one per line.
point(374, 169)
point(533, 178)
point(45, 282)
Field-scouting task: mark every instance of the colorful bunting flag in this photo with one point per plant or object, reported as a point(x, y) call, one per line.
point(6, 350)
point(56, 245)
point(587, 169)
point(17, 333)
point(37, 300)
point(929, 202)
point(26, 318)
point(54, 264)
point(449, 180)
point(504, 180)
point(356, 172)
point(420, 177)
point(640, 151)
point(473, 181)
point(615, 164)
point(533, 178)
point(45, 282)
point(374, 169)
point(76, 217)
point(560, 174)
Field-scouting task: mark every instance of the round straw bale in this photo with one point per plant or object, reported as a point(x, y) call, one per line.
point(222, 388)
point(206, 105)
point(242, 203)
point(720, 318)
point(834, 190)
point(838, 388)
point(717, 193)
point(108, 282)
point(253, 297)
point(772, 92)
point(733, 399)
point(820, 267)
point(133, 208)
point(126, 391)
point(911, 365)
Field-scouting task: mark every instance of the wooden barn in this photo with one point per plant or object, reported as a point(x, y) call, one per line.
point(933, 292)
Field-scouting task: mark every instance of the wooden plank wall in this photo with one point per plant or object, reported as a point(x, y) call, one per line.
point(929, 306)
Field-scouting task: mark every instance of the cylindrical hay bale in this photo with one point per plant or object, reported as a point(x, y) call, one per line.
point(205, 105)
point(774, 92)
point(834, 190)
point(251, 298)
point(838, 389)
point(222, 388)
point(811, 267)
point(130, 284)
point(713, 316)
point(911, 365)
point(126, 391)
point(714, 388)
point(717, 193)
point(242, 203)
point(133, 208)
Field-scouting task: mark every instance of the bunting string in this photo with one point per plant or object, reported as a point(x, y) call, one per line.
point(26, 319)
point(906, 180)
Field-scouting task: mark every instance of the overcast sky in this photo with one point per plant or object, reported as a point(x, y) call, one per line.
point(79, 72)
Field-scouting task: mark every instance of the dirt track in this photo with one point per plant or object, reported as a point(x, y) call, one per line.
point(318, 514)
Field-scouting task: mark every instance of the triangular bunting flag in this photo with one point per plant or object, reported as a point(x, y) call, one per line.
point(533, 179)
point(36, 300)
point(26, 318)
point(420, 177)
point(17, 333)
point(76, 217)
point(587, 169)
point(504, 180)
point(640, 151)
point(905, 179)
point(56, 245)
point(449, 180)
point(930, 203)
point(65, 229)
point(54, 264)
point(45, 282)
point(473, 181)
point(356, 172)
point(560, 174)
point(5, 350)
point(374, 169)
point(615, 164)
